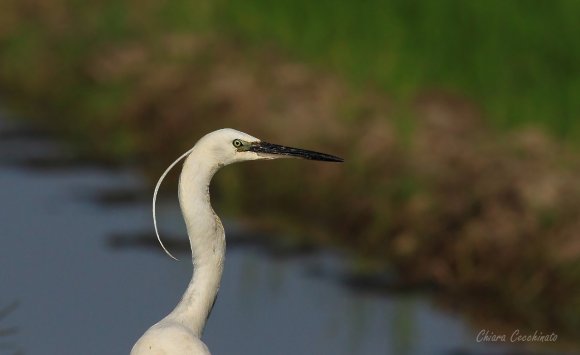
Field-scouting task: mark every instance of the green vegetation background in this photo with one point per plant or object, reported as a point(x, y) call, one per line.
point(519, 60)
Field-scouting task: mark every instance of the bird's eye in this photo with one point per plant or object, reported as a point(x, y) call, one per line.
point(237, 143)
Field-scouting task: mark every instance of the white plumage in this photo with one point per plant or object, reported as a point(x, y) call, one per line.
point(179, 333)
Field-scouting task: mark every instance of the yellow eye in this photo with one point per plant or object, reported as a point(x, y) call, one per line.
point(237, 143)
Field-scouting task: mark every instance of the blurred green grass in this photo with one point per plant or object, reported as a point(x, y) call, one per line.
point(519, 60)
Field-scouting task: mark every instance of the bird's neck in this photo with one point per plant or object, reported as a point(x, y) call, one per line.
point(207, 239)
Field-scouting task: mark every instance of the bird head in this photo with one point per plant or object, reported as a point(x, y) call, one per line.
point(227, 146)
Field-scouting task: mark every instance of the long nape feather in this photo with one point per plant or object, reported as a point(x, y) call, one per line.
point(155, 199)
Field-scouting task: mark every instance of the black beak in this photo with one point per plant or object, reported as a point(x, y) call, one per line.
point(275, 149)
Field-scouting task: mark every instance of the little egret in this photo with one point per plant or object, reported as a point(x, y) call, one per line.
point(179, 332)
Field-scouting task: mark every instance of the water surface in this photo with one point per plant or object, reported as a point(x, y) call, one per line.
point(78, 295)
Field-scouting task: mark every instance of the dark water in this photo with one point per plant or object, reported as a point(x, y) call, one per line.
point(78, 295)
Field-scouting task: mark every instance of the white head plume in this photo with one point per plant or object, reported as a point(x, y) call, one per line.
point(155, 199)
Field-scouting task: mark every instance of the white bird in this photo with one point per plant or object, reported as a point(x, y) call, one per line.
point(180, 331)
